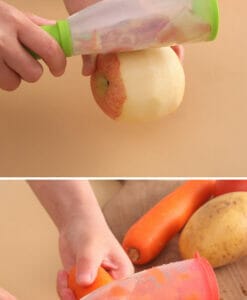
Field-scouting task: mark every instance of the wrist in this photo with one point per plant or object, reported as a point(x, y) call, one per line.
point(73, 216)
point(88, 219)
point(67, 201)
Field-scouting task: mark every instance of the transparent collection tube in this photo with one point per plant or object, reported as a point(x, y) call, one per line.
point(127, 25)
point(188, 279)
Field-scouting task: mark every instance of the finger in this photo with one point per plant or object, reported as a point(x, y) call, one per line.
point(62, 280)
point(9, 80)
point(40, 42)
point(67, 295)
point(123, 265)
point(89, 64)
point(18, 59)
point(62, 287)
point(87, 266)
point(39, 20)
point(74, 6)
point(87, 3)
point(179, 50)
point(6, 295)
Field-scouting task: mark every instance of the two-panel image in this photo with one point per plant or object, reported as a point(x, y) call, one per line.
point(122, 150)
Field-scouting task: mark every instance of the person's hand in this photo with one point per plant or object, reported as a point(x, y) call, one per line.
point(85, 241)
point(19, 30)
point(4, 295)
point(89, 246)
point(179, 50)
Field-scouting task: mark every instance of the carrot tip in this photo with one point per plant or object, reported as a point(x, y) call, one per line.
point(134, 254)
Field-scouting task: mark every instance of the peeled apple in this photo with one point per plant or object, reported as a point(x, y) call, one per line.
point(138, 86)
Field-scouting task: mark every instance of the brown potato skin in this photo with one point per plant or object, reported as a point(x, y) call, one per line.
point(218, 230)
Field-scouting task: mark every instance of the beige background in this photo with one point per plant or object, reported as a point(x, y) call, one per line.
point(54, 127)
point(29, 256)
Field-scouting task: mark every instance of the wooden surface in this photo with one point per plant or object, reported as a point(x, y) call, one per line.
point(54, 127)
point(134, 199)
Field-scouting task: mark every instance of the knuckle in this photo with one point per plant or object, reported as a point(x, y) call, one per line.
point(13, 16)
point(20, 18)
point(28, 14)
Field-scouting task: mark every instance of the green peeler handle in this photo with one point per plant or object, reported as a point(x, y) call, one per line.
point(62, 34)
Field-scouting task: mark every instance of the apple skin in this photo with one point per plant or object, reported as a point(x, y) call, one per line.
point(138, 86)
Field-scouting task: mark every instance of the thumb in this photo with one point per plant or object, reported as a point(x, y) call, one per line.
point(87, 265)
point(39, 20)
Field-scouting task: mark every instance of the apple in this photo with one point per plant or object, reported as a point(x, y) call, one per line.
point(141, 85)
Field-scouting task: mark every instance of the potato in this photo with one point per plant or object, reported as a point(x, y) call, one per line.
point(218, 230)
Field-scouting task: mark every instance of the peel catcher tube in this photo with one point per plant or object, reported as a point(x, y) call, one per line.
point(128, 25)
point(188, 279)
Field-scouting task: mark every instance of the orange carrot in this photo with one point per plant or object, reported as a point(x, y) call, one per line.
point(149, 235)
point(103, 278)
